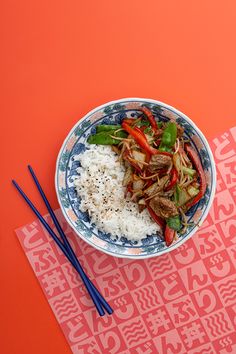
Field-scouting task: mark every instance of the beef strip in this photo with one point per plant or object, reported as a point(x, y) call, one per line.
point(163, 207)
point(159, 162)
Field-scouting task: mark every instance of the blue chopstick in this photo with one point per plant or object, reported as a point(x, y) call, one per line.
point(73, 257)
point(80, 270)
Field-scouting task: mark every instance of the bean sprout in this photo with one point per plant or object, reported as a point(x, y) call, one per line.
point(138, 161)
point(177, 143)
point(184, 221)
point(188, 182)
point(117, 138)
point(118, 130)
point(170, 168)
point(149, 177)
point(152, 196)
point(182, 180)
point(182, 160)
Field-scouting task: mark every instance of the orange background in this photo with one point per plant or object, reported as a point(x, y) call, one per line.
point(59, 59)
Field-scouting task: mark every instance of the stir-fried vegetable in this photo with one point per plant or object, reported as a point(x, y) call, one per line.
point(104, 127)
point(107, 137)
point(155, 217)
point(150, 117)
point(192, 191)
point(141, 132)
point(163, 173)
point(177, 162)
point(169, 235)
point(129, 121)
point(169, 137)
point(173, 179)
point(181, 196)
point(188, 171)
point(174, 223)
point(197, 163)
point(139, 138)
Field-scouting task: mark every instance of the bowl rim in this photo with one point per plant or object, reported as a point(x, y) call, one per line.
point(212, 161)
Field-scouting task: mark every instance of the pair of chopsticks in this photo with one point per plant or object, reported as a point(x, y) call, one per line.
point(63, 243)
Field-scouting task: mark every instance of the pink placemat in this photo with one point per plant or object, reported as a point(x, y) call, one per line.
point(181, 302)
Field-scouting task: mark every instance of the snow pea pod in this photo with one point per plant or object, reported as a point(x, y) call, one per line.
point(168, 137)
point(106, 127)
point(174, 223)
point(106, 137)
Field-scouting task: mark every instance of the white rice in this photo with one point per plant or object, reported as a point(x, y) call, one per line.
point(99, 185)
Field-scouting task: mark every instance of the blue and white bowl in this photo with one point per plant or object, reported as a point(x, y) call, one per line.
point(74, 144)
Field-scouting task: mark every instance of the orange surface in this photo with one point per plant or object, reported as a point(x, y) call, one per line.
point(60, 59)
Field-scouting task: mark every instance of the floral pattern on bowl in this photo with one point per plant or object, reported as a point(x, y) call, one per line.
point(66, 172)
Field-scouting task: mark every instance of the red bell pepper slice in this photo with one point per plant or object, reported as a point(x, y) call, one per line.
point(166, 153)
point(141, 132)
point(157, 142)
point(149, 183)
point(173, 180)
point(142, 140)
point(197, 163)
point(129, 189)
point(150, 117)
point(148, 157)
point(169, 235)
point(129, 121)
point(155, 217)
point(162, 172)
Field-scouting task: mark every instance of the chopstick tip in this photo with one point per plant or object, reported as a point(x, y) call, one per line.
point(15, 184)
